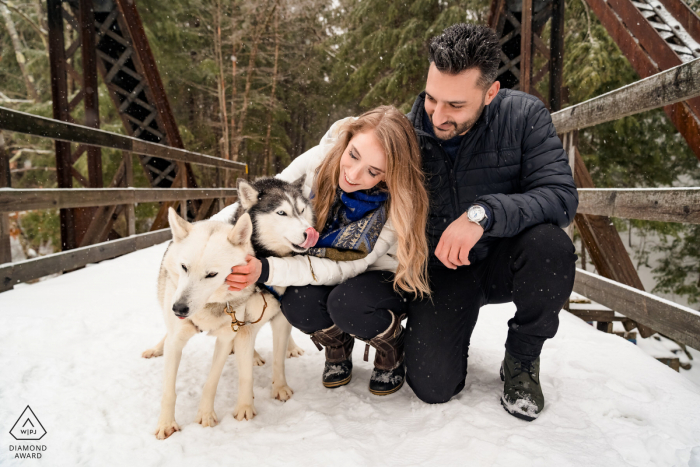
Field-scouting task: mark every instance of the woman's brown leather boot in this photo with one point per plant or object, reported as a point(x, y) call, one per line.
point(338, 369)
point(389, 371)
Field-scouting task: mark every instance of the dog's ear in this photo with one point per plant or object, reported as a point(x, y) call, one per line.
point(179, 226)
point(242, 231)
point(247, 195)
point(299, 182)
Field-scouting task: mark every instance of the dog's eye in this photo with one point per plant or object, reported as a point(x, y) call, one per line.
point(281, 213)
point(184, 268)
point(302, 211)
point(211, 274)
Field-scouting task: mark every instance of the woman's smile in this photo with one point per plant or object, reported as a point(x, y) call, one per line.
point(349, 182)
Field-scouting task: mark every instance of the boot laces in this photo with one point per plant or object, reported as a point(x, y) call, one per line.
point(524, 366)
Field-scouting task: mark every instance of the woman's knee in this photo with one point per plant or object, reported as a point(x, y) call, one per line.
point(305, 308)
point(340, 304)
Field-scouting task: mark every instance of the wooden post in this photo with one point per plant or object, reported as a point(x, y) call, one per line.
point(556, 55)
point(604, 244)
point(569, 141)
point(183, 184)
point(526, 47)
point(220, 201)
point(59, 93)
point(5, 181)
point(130, 211)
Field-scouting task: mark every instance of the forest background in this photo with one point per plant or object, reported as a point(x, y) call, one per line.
point(261, 81)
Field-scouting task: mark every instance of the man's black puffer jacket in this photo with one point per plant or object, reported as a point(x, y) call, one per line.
point(511, 160)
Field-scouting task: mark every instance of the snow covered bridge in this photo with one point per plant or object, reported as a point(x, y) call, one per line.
point(70, 348)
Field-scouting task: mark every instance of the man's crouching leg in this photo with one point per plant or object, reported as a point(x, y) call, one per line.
point(543, 265)
point(438, 334)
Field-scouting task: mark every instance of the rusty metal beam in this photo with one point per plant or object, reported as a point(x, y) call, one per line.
point(556, 53)
point(59, 93)
point(644, 65)
point(90, 86)
point(684, 15)
point(526, 47)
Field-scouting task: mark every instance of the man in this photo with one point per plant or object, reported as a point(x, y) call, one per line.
point(501, 190)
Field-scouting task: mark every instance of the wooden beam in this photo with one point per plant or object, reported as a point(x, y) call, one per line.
point(5, 181)
point(24, 271)
point(653, 204)
point(675, 321)
point(130, 212)
point(668, 87)
point(25, 200)
point(605, 246)
point(605, 316)
point(21, 122)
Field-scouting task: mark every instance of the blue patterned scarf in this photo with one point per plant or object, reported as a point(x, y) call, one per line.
point(353, 226)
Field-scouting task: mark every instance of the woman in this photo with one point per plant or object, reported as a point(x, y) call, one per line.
point(366, 185)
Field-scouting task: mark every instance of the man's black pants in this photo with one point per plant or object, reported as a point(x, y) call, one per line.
point(534, 269)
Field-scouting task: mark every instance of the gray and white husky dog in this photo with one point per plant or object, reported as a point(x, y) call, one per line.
point(195, 298)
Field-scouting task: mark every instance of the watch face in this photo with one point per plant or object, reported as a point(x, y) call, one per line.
point(476, 213)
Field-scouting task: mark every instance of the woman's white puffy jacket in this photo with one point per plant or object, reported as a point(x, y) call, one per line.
point(310, 270)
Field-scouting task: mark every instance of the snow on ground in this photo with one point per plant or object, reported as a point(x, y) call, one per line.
point(70, 348)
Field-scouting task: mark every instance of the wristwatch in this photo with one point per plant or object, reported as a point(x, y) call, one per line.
point(477, 215)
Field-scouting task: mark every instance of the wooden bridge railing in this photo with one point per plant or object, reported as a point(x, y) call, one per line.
point(667, 204)
point(658, 204)
point(29, 199)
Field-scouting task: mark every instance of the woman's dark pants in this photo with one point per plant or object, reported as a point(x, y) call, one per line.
point(358, 306)
point(534, 269)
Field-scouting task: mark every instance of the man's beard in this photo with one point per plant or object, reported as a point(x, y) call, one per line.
point(461, 128)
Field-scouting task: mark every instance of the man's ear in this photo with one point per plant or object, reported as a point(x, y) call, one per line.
point(179, 226)
point(247, 195)
point(242, 231)
point(491, 92)
point(299, 182)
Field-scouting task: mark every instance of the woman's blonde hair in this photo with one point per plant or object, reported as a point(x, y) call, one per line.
point(408, 199)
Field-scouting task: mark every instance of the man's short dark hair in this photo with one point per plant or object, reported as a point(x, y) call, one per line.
point(465, 46)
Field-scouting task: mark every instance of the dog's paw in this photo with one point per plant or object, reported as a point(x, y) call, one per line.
point(295, 352)
point(257, 359)
point(282, 393)
point(166, 429)
point(154, 352)
point(244, 412)
point(206, 417)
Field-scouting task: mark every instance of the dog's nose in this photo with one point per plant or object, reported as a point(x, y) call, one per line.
point(181, 309)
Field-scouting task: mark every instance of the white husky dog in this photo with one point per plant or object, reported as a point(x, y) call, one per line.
point(195, 298)
point(281, 217)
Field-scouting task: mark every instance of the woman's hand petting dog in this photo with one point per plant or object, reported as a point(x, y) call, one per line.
point(243, 276)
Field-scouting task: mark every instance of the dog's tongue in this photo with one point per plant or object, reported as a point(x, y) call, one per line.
point(311, 238)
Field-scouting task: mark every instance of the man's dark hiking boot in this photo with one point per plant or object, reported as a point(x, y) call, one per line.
point(338, 369)
point(522, 392)
point(389, 371)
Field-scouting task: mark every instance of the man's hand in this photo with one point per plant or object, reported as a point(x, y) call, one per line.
point(243, 276)
point(457, 241)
